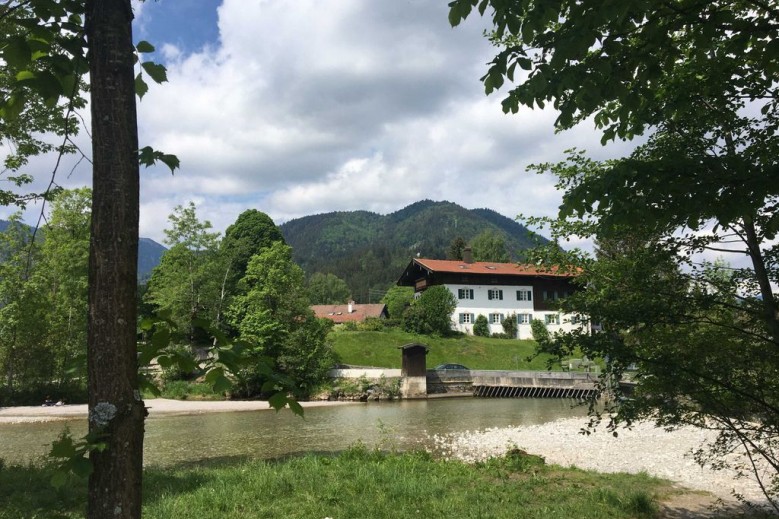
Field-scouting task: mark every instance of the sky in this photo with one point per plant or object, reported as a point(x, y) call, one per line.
point(310, 106)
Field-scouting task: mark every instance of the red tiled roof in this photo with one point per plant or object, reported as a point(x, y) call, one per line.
point(486, 267)
point(340, 313)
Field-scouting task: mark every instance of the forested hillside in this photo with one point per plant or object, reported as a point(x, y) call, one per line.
point(369, 251)
point(149, 254)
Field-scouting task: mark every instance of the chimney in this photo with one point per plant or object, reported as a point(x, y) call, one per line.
point(467, 255)
point(351, 307)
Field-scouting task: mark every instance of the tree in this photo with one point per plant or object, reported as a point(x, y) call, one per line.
point(701, 75)
point(489, 246)
point(431, 313)
point(116, 408)
point(252, 232)
point(456, 249)
point(397, 300)
point(631, 65)
point(189, 281)
point(63, 271)
point(22, 310)
point(43, 311)
point(481, 327)
point(273, 313)
point(327, 289)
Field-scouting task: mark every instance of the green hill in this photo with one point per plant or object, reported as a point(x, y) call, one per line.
point(369, 251)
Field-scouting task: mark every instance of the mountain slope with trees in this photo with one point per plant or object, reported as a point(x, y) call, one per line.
point(369, 251)
point(149, 253)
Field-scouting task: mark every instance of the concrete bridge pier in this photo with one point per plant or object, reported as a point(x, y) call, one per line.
point(413, 372)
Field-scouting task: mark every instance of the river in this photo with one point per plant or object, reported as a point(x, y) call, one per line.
point(403, 425)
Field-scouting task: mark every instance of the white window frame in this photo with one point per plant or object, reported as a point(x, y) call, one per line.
point(465, 318)
point(496, 318)
point(551, 319)
point(524, 295)
point(524, 318)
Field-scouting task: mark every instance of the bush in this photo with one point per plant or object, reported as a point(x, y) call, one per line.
point(184, 390)
point(481, 327)
point(349, 326)
point(510, 326)
point(371, 324)
point(431, 314)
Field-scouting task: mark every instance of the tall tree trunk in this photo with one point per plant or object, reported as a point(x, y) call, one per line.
point(115, 405)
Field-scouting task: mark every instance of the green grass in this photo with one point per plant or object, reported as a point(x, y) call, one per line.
point(380, 349)
point(359, 483)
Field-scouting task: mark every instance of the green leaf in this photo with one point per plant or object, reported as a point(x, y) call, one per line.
point(295, 407)
point(156, 71)
point(171, 161)
point(213, 375)
point(278, 401)
point(147, 384)
point(63, 447)
point(81, 466)
point(17, 53)
point(144, 46)
point(25, 75)
point(59, 478)
point(140, 86)
point(161, 338)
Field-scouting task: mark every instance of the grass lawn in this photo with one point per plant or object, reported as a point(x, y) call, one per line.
point(380, 349)
point(358, 483)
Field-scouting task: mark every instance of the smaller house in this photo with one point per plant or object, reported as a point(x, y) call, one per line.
point(351, 312)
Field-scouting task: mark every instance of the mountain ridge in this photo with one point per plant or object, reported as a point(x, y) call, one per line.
point(369, 250)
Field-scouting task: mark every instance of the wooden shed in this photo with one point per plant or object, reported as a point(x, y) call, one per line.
point(414, 360)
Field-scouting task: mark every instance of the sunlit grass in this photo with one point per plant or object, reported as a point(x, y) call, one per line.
point(380, 349)
point(359, 483)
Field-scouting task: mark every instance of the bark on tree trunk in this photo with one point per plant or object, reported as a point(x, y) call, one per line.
point(115, 484)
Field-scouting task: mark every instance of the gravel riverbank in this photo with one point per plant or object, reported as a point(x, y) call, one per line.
point(156, 407)
point(643, 448)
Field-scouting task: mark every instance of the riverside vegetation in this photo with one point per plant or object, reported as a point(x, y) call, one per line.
point(359, 482)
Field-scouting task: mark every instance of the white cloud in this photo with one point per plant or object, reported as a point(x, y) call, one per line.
point(307, 106)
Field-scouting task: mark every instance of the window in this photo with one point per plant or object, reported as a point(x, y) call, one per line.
point(466, 318)
point(552, 319)
point(550, 295)
point(496, 318)
point(524, 318)
point(495, 294)
point(465, 293)
point(524, 295)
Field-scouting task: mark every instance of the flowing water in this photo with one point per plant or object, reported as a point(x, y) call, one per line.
point(264, 434)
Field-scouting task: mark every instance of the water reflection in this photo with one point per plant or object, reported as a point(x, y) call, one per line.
point(265, 434)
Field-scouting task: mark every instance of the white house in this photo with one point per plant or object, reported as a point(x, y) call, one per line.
point(496, 290)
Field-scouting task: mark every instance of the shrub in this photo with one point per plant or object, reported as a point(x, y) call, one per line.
point(371, 324)
point(349, 326)
point(481, 327)
point(510, 326)
point(431, 314)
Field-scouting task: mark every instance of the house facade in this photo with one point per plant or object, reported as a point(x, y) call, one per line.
point(496, 290)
